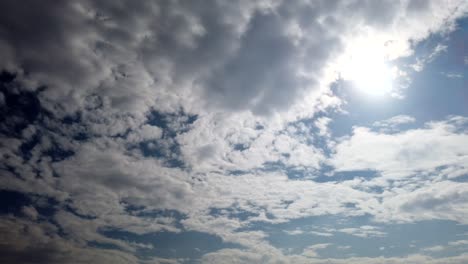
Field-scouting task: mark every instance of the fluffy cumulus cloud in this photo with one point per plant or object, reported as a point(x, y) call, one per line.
point(407, 152)
point(418, 169)
point(121, 121)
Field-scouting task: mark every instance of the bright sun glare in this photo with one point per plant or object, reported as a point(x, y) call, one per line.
point(369, 72)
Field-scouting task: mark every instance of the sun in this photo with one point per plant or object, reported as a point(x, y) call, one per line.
point(368, 71)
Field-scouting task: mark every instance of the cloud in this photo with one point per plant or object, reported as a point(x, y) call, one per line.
point(294, 232)
point(322, 125)
point(363, 231)
point(439, 200)
point(29, 242)
point(434, 248)
point(311, 252)
point(224, 142)
point(146, 132)
point(458, 243)
point(404, 153)
point(120, 112)
point(262, 57)
point(416, 184)
point(422, 62)
point(452, 75)
point(30, 212)
point(109, 178)
point(240, 256)
point(280, 198)
point(395, 121)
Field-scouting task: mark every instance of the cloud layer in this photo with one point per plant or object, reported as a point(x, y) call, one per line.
point(214, 117)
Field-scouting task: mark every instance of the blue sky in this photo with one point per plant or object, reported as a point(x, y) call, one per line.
point(234, 132)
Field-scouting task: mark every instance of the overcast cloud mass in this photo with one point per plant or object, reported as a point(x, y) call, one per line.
point(234, 131)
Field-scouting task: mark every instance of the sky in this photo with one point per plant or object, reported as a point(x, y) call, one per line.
point(234, 132)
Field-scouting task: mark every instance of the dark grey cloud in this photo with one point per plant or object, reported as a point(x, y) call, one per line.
point(30, 242)
point(239, 57)
point(261, 57)
point(262, 74)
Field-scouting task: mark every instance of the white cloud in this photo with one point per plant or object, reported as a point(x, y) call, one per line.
point(422, 62)
point(434, 248)
point(211, 144)
point(325, 234)
point(311, 251)
point(414, 180)
point(395, 121)
point(268, 193)
point(294, 232)
point(436, 200)
point(145, 132)
point(110, 177)
point(458, 243)
point(364, 231)
point(452, 75)
point(322, 125)
point(406, 152)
